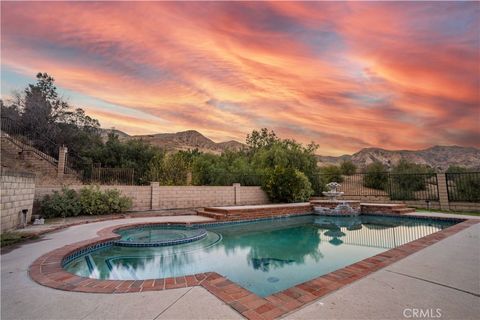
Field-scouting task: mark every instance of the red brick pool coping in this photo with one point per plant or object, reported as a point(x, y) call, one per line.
point(48, 271)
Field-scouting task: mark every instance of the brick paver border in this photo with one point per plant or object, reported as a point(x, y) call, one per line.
point(48, 271)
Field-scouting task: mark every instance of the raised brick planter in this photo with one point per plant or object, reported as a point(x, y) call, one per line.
point(255, 212)
point(385, 209)
point(47, 270)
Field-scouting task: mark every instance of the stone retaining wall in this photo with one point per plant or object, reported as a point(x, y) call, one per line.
point(17, 193)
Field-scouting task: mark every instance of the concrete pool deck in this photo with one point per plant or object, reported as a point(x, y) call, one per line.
point(444, 275)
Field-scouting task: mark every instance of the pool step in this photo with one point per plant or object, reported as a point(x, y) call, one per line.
point(385, 208)
point(213, 215)
point(403, 210)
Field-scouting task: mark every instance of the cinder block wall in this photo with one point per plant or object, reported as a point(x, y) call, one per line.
point(251, 195)
point(155, 197)
point(140, 195)
point(194, 196)
point(18, 190)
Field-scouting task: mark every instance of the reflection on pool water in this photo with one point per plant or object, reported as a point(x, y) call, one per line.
point(264, 256)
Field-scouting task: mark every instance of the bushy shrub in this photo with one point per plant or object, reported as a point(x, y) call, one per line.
point(331, 174)
point(406, 178)
point(348, 168)
point(376, 176)
point(464, 183)
point(287, 185)
point(91, 200)
point(401, 194)
point(88, 201)
point(169, 169)
point(456, 169)
point(466, 187)
point(61, 204)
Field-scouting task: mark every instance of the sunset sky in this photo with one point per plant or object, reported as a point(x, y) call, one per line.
point(345, 75)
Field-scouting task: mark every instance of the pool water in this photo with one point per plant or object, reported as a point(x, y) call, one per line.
point(154, 236)
point(264, 256)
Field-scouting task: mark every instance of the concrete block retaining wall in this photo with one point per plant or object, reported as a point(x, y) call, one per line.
point(17, 193)
point(155, 197)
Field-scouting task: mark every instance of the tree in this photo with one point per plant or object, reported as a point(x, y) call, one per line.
point(169, 169)
point(48, 121)
point(203, 167)
point(348, 168)
point(261, 139)
point(287, 185)
point(114, 153)
point(288, 154)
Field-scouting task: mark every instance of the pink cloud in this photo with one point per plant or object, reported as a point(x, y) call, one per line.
point(347, 75)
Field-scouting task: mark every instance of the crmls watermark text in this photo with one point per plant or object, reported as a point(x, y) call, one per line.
point(418, 313)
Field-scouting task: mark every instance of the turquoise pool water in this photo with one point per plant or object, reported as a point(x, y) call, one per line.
point(264, 257)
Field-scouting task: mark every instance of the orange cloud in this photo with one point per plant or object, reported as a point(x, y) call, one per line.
point(346, 75)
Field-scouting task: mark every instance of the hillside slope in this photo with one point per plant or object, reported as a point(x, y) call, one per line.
point(183, 140)
point(438, 157)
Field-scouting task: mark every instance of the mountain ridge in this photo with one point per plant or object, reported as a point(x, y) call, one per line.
point(183, 140)
point(437, 157)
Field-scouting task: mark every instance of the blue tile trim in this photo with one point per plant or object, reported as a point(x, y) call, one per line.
point(102, 245)
point(200, 234)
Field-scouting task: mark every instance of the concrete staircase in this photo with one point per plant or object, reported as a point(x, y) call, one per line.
point(211, 214)
point(20, 156)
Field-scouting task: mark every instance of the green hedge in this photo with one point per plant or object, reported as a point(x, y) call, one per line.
point(88, 201)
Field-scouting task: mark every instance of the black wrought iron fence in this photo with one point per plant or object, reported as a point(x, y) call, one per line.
point(401, 186)
point(110, 176)
point(355, 185)
point(413, 186)
point(463, 186)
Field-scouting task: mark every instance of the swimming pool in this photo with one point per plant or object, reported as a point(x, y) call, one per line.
point(264, 256)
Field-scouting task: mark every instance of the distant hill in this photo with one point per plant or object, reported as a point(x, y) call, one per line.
point(105, 132)
point(183, 140)
point(437, 157)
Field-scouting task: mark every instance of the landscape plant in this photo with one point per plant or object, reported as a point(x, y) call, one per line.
point(406, 178)
point(88, 201)
point(464, 186)
point(348, 168)
point(331, 173)
point(287, 185)
point(376, 176)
